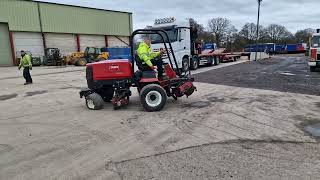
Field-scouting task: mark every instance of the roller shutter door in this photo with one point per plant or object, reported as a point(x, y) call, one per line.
point(67, 43)
point(28, 41)
point(5, 49)
point(92, 41)
point(113, 41)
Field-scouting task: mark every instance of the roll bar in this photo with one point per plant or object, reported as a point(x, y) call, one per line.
point(159, 32)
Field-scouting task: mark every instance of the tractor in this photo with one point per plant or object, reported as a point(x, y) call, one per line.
point(52, 57)
point(111, 80)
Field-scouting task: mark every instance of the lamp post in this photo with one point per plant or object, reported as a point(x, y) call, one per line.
point(258, 21)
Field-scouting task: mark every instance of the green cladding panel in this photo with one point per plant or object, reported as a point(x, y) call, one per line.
point(22, 15)
point(68, 19)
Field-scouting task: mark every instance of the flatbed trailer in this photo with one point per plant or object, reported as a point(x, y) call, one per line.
point(218, 56)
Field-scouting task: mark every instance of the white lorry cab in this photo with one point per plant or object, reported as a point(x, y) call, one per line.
point(315, 52)
point(179, 35)
point(186, 50)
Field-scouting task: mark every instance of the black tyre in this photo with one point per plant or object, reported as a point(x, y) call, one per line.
point(153, 97)
point(194, 64)
point(216, 61)
point(106, 93)
point(235, 59)
point(94, 102)
point(313, 68)
point(81, 62)
point(185, 64)
point(210, 61)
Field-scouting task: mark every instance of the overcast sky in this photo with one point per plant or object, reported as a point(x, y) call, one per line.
point(294, 14)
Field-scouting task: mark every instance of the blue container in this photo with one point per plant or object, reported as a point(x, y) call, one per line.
point(269, 47)
point(291, 47)
point(118, 53)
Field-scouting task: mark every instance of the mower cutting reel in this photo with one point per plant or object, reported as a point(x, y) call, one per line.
point(112, 80)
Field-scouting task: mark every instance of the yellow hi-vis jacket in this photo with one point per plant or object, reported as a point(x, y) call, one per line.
point(25, 62)
point(145, 53)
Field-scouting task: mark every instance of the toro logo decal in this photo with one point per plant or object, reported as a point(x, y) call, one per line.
point(114, 67)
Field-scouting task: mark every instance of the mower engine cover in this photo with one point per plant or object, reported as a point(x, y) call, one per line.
point(111, 70)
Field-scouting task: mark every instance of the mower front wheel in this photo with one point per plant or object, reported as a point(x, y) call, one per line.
point(153, 97)
point(94, 101)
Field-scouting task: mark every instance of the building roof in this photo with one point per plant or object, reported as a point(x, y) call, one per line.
point(80, 6)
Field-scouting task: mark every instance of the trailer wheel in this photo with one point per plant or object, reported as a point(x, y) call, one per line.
point(235, 59)
point(153, 97)
point(313, 68)
point(216, 61)
point(194, 64)
point(94, 102)
point(210, 61)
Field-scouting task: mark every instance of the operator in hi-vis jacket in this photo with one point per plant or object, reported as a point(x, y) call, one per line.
point(149, 58)
point(26, 64)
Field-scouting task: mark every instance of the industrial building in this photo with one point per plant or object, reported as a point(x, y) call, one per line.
point(34, 26)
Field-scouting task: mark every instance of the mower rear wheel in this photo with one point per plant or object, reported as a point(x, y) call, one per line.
point(94, 102)
point(153, 97)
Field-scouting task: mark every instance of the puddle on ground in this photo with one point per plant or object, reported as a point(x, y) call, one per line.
point(216, 99)
point(33, 93)
point(71, 87)
point(199, 104)
point(313, 130)
point(309, 125)
point(9, 96)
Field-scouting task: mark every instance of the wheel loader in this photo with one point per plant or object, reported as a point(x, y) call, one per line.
point(91, 54)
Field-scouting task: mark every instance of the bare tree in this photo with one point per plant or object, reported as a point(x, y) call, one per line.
point(304, 35)
point(219, 28)
point(277, 33)
point(231, 36)
point(249, 32)
point(195, 24)
point(201, 33)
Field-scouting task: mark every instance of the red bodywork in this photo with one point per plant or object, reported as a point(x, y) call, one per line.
point(300, 47)
point(314, 54)
point(112, 70)
point(170, 72)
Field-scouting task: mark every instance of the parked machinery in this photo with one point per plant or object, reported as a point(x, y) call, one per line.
point(36, 61)
point(52, 57)
point(112, 80)
point(75, 56)
point(91, 54)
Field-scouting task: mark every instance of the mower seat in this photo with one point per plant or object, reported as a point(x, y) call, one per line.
point(141, 66)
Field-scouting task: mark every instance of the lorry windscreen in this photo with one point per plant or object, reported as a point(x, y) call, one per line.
point(316, 41)
point(172, 33)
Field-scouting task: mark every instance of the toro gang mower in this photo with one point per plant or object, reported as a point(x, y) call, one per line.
point(111, 80)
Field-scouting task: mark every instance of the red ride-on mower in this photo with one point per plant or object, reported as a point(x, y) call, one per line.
point(111, 80)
